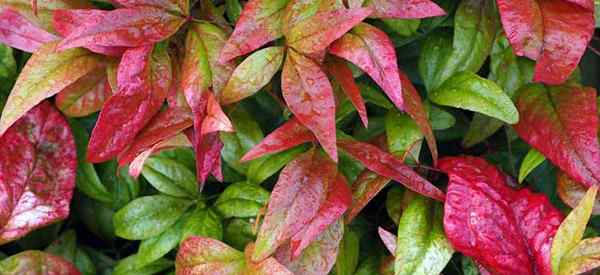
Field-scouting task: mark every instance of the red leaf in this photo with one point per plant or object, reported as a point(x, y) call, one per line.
point(388, 166)
point(405, 9)
point(373, 52)
point(37, 262)
point(143, 79)
point(84, 96)
point(67, 21)
point(343, 75)
point(208, 155)
point(177, 6)
point(259, 23)
point(37, 172)
point(288, 135)
point(127, 27)
point(506, 231)
point(388, 239)
point(200, 255)
point(18, 32)
point(309, 96)
point(339, 198)
point(215, 119)
point(588, 4)
point(547, 122)
point(163, 126)
point(317, 32)
point(367, 185)
point(295, 200)
point(415, 109)
point(537, 29)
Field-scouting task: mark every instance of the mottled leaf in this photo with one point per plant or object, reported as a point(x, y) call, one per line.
point(405, 9)
point(199, 256)
point(18, 32)
point(33, 262)
point(84, 96)
point(572, 192)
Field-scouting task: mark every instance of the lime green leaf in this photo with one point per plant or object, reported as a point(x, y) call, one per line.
point(532, 160)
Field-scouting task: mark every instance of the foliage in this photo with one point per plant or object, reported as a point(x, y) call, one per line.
point(287, 137)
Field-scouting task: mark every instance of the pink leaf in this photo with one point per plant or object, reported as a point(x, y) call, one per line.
point(18, 32)
point(405, 9)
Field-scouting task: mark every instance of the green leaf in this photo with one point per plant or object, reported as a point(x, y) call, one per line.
point(156, 247)
point(119, 183)
point(233, 9)
point(468, 266)
point(148, 216)
point(170, 177)
point(127, 266)
point(247, 134)
point(393, 203)
point(252, 74)
point(238, 233)
point(422, 247)
point(203, 222)
point(532, 160)
point(571, 230)
point(242, 200)
point(264, 167)
point(440, 118)
point(402, 132)
point(96, 216)
point(347, 258)
point(442, 56)
point(469, 91)
point(66, 246)
point(87, 181)
point(403, 27)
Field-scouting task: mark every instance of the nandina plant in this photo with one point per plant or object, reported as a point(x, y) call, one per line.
point(286, 137)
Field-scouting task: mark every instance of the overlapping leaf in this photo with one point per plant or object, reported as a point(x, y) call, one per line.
point(85, 96)
point(18, 32)
point(37, 172)
point(506, 231)
point(33, 262)
point(405, 9)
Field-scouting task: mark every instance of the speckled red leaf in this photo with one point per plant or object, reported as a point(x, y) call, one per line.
point(163, 126)
point(562, 123)
point(288, 135)
point(388, 166)
point(204, 256)
point(137, 164)
point(367, 185)
point(416, 110)
point(143, 78)
point(343, 75)
point(405, 9)
point(308, 94)
point(267, 266)
point(319, 258)
point(337, 201)
point(33, 262)
point(554, 32)
point(18, 32)
point(259, 23)
point(37, 172)
point(67, 21)
point(126, 27)
point(373, 52)
point(85, 96)
point(506, 231)
point(295, 200)
point(215, 119)
point(208, 155)
point(314, 34)
point(176, 6)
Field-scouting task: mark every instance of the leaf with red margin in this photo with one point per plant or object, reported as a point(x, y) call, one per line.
point(367, 185)
point(553, 32)
point(45, 11)
point(163, 126)
point(405, 9)
point(259, 23)
point(319, 257)
point(295, 200)
point(136, 166)
point(37, 172)
point(18, 32)
point(388, 166)
point(506, 231)
point(177, 6)
point(126, 27)
point(416, 110)
point(343, 75)
point(337, 201)
point(547, 122)
point(373, 52)
point(67, 21)
point(299, 10)
point(36, 262)
point(46, 73)
point(309, 95)
point(316, 33)
point(204, 256)
point(85, 96)
point(215, 119)
point(143, 78)
point(288, 135)
point(267, 266)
